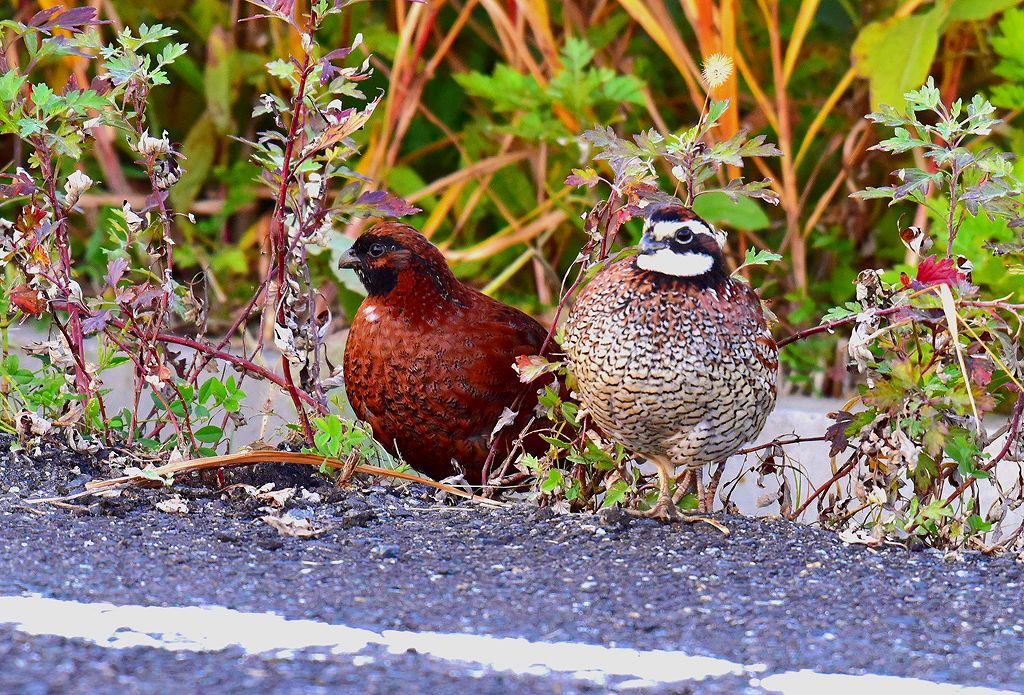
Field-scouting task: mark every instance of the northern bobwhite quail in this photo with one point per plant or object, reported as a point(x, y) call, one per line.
point(428, 362)
point(672, 357)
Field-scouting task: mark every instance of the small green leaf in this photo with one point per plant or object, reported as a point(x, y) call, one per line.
point(743, 213)
point(10, 84)
point(210, 434)
point(553, 482)
point(762, 257)
point(616, 493)
point(976, 10)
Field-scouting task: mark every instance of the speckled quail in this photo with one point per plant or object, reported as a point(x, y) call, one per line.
point(672, 357)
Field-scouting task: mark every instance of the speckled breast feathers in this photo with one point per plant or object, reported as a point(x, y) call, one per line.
point(670, 355)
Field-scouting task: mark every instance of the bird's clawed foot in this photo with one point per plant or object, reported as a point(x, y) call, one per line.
point(666, 510)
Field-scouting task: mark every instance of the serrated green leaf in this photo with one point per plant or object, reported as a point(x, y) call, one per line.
point(10, 84)
point(896, 54)
point(616, 493)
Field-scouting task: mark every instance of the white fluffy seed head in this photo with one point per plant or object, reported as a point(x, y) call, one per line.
point(717, 69)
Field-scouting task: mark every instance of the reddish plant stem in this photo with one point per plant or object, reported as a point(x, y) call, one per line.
point(78, 361)
point(952, 222)
point(149, 343)
point(843, 471)
point(814, 330)
point(135, 412)
point(245, 364)
point(279, 236)
point(198, 367)
point(76, 342)
point(1011, 435)
point(200, 364)
point(778, 441)
point(993, 303)
point(517, 404)
point(167, 406)
point(168, 266)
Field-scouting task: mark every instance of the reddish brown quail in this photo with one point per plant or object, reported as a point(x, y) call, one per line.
point(672, 357)
point(428, 362)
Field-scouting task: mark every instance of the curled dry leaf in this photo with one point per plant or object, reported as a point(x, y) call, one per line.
point(173, 505)
point(135, 222)
point(531, 367)
point(56, 350)
point(284, 339)
point(836, 432)
point(29, 300)
point(916, 239)
point(336, 380)
point(859, 346)
point(508, 416)
point(76, 442)
point(77, 184)
point(149, 146)
point(965, 267)
point(275, 498)
point(858, 537)
point(31, 425)
point(871, 291)
point(293, 527)
point(906, 452)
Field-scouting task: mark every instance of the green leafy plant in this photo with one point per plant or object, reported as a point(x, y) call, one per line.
point(541, 110)
point(338, 438)
point(582, 469)
point(938, 357)
point(127, 312)
point(1010, 94)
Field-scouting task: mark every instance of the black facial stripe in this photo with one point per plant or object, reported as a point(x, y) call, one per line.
point(364, 243)
point(693, 245)
point(378, 281)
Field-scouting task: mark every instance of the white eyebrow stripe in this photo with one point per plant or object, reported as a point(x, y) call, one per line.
point(666, 229)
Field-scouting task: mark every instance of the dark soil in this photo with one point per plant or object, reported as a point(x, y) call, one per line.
point(781, 594)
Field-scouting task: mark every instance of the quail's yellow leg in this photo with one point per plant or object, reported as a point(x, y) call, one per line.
point(665, 509)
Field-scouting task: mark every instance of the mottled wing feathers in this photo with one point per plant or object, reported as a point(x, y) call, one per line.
point(432, 381)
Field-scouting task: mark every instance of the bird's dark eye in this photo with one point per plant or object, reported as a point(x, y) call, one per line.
point(377, 250)
point(684, 235)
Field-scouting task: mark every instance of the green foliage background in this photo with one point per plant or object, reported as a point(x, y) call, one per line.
point(484, 102)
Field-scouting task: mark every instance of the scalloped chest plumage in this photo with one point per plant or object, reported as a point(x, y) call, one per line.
point(672, 367)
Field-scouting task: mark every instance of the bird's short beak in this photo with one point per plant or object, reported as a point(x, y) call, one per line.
point(649, 244)
point(348, 260)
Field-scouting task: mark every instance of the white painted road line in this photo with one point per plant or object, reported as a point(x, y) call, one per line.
point(209, 629)
point(811, 683)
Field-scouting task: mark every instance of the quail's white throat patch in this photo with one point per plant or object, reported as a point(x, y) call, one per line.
point(683, 265)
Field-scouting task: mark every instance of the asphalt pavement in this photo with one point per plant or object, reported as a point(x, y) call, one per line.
point(772, 599)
